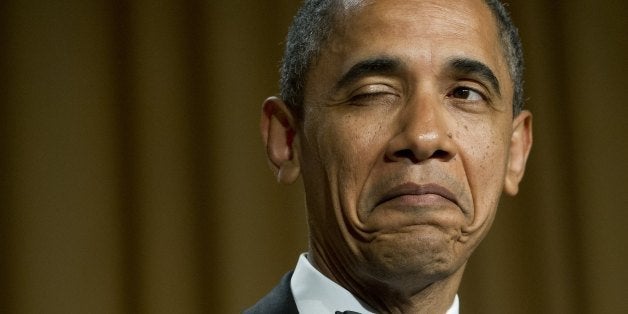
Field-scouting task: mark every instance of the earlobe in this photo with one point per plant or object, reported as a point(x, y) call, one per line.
point(520, 145)
point(278, 129)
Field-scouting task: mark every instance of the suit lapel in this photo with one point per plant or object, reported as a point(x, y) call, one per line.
point(278, 300)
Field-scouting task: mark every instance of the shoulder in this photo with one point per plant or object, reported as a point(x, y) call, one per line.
point(278, 300)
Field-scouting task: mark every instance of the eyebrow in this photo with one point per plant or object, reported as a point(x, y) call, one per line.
point(369, 67)
point(388, 65)
point(470, 67)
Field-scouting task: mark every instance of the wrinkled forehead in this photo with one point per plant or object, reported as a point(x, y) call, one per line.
point(349, 5)
point(429, 14)
point(381, 26)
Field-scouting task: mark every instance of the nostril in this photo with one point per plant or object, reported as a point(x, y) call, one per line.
point(406, 154)
point(440, 154)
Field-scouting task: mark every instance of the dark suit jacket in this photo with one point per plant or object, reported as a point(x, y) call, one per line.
point(278, 300)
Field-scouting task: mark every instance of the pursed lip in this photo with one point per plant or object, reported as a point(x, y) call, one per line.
point(410, 189)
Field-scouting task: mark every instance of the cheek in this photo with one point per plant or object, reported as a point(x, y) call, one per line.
point(347, 146)
point(351, 145)
point(484, 157)
point(338, 153)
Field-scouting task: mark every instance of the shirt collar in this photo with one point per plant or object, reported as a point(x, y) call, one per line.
point(314, 293)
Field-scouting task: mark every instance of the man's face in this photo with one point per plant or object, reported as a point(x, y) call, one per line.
point(405, 139)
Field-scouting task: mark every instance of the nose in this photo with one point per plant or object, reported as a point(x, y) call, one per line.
point(423, 133)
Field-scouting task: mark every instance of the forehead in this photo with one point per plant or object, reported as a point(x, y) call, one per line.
point(419, 31)
point(377, 24)
point(448, 12)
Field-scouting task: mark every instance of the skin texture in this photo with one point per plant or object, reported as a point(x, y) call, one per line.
point(405, 147)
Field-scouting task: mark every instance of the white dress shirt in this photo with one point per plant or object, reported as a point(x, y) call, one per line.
point(315, 294)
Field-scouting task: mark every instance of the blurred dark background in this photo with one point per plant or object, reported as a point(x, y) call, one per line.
point(133, 179)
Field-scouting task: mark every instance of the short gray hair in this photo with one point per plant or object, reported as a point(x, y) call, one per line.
point(313, 25)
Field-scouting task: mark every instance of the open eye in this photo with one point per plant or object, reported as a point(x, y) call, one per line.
point(466, 93)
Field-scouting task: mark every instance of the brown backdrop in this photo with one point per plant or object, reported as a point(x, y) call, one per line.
point(132, 178)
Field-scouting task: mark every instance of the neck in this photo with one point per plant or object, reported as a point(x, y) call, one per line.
point(409, 295)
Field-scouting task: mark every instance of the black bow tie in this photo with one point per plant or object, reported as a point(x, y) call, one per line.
point(347, 312)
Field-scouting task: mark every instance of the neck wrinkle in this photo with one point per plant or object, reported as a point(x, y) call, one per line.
point(435, 297)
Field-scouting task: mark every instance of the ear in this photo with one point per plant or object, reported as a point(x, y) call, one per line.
point(520, 145)
point(278, 128)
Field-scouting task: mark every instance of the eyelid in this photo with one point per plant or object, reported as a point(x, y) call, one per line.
point(369, 94)
point(484, 89)
point(377, 88)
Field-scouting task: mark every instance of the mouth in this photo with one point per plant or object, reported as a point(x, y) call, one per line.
point(418, 195)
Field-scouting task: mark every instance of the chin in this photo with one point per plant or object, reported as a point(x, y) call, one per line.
point(421, 256)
